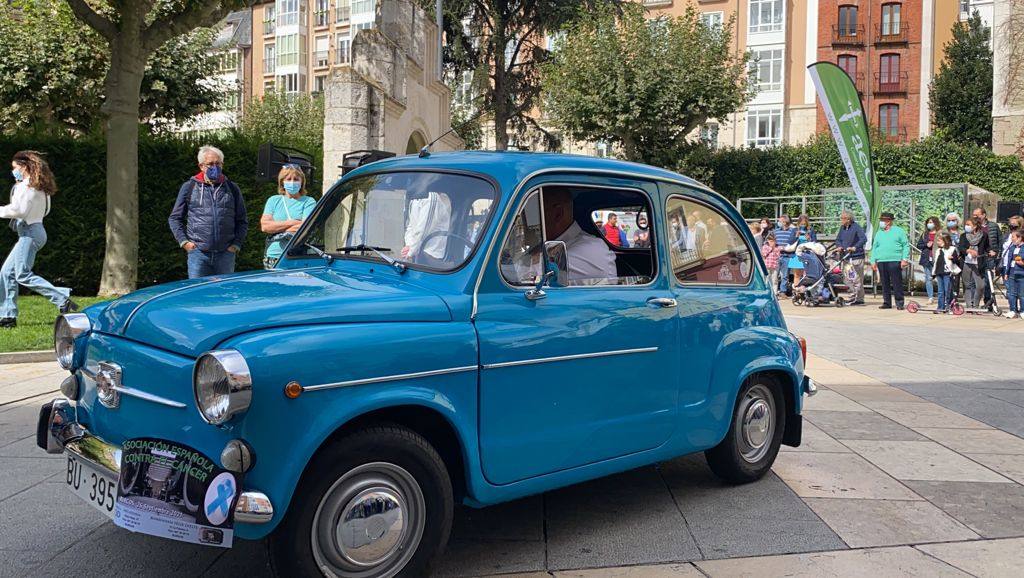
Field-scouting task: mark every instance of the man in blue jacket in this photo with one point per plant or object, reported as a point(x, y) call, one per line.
point(851, 240)
point(785, 234)
point(208, 219)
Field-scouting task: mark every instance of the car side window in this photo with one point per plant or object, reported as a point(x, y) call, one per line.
point(518, 260)
point(704, 246)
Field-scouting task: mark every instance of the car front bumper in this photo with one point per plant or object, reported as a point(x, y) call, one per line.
point(58, 431)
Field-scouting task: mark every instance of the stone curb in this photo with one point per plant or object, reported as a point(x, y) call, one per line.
point(26, 356)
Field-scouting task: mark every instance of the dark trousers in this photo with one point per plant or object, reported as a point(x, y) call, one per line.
point(891, 275)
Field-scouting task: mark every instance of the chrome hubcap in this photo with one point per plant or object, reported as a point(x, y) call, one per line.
point(369, 523)
point(756, 417)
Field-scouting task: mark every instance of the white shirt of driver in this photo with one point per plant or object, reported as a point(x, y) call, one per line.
point(428, 215)
point(588, 256)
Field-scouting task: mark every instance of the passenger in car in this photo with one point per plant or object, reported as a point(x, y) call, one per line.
point(588, 256)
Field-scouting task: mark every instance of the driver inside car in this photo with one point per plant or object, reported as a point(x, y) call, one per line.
point(429, 213)
point(588, 256)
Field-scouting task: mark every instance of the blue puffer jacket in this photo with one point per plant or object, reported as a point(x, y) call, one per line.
point(211, 216)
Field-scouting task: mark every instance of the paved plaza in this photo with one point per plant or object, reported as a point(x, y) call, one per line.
point(912, 465)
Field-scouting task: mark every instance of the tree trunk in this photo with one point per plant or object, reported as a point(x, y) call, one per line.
point(121, 109)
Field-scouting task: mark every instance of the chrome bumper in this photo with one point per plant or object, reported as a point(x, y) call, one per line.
point(64, 434)
point(810, 388)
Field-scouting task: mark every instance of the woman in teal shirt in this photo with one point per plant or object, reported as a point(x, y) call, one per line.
point(285, 212)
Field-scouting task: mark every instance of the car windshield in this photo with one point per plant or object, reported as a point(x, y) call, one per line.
point(422, 219)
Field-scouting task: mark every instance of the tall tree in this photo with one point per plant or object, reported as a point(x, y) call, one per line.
point(133, 30)
point(961, 94)
point(55, 83)
point(644, 85)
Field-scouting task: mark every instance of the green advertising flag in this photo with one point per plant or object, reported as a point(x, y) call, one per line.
point(845, 116)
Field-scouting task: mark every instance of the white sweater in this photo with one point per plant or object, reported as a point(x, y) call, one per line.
point(28, 204)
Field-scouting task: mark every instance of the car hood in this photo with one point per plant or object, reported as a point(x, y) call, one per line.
point(191, 317)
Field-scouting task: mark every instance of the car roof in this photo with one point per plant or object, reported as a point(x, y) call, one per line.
point(511, 167)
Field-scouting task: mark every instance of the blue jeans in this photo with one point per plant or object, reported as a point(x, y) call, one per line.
point(945, 291)
point(205, 263)
point(783, 272)
point(1015, 293)
point(17, 270)
point(928, 282)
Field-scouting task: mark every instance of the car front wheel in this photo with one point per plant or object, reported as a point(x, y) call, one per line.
point(755, 434)
point(376, 503)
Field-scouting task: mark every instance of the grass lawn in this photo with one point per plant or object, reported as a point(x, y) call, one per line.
point(35, 323)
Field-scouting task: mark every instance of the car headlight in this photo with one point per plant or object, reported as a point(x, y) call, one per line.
point(222, 384)
point(65, 330)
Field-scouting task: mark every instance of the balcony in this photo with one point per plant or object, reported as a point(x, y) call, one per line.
point(269, 65)
point(892, 34)
point(858, 82)
point(322, 18)
point(321, 58)
point(891, 83)
point(657, 3)
point(269, 27)
point(343, 14)
point(894, 134)
point(848, 36)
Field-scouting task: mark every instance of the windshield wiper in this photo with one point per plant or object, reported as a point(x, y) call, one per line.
point(320, 253)
point(400, 267)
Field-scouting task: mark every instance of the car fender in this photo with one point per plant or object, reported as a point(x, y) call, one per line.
point(345, 374)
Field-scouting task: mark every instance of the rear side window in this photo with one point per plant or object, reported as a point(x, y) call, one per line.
point(704, 246)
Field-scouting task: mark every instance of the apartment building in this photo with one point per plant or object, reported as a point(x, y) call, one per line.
point(296, 43)
point(232, 49)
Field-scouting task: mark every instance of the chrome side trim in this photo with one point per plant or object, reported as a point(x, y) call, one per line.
point(387, 378)
point(148, 396)
point(606, 172)
point(569, 357)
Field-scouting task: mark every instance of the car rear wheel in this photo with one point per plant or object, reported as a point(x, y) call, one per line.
point(376, 503)
point(755, 434)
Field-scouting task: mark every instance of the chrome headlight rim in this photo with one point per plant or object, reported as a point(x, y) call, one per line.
point(235, 372)
point(66, 329)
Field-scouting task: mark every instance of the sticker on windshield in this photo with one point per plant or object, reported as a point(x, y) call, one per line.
point(173, 491)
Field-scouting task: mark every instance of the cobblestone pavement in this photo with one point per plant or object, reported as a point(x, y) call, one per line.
point(912, 464)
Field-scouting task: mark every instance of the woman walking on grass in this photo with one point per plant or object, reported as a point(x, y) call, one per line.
point(30, 202)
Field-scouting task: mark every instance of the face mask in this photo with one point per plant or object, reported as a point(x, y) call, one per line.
point(881, 224)
point(931, 226)
point(213, 173)
point(781, 225)
point(16, 173)
point(968, 228)
point(292, 187)
point(951, 224)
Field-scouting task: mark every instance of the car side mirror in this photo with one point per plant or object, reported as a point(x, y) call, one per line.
point(538, 292)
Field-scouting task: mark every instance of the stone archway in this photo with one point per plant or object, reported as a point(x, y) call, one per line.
point(416, 142)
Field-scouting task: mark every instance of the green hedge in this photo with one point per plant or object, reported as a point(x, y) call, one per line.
point(73, 255)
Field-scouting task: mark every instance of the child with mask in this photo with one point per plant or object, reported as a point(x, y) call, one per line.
point(284, 212)
point(926, 244)
point(944, 267)
point(770, 251)
point(1013, 274)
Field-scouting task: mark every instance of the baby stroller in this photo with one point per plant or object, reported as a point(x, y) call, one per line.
point(823, 280)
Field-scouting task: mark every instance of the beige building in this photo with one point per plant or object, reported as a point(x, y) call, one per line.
point(1008, 84)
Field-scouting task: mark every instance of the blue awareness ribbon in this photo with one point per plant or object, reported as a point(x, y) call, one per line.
point(225, 492)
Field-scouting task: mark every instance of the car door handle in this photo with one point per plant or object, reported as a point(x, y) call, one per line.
point(661, 302)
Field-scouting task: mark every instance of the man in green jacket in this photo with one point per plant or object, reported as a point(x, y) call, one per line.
point(890, 253)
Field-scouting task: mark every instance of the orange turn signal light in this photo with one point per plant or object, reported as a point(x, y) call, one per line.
point(292, 390)
point(803, 348)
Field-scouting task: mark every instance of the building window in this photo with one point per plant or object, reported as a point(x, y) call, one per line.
point(323, 12)
point(289, 83)
point(231, 100)
point(889, 119)
point(344, 11)
point(602, 150)
point(848, 63)
point(288, 50)
point(890, 19)
point(709, 135)
point(464, 90)
point(847, 20)
point(323, 47)
point(364, 7)
point(342, 54)
point(287, 12)
point(764, 127)
point(362, 26)
point(268, 86)
point(713, 20)
point(768, 66)
point(965, 8)
point(766, 15)
point(319, 84)
point(269, 58)
point(889, 72)
point(269, 20)
point(227, 62)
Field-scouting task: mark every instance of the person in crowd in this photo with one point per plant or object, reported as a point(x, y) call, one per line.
point(208, 219)
point(851, 240)
point(990, 261)
point(1012, 224)
point(1013, 274)
point(766, 229)
point(954, 228)
point(588, 257)
point(974, 247)
point(30, 203)
point(785, 234)
point(890, 253)
point(284, 212)
point(944, 266)
point(795, 265)
point(926, 244)
point(770, 251)
point(803, 225)
point(611, 230)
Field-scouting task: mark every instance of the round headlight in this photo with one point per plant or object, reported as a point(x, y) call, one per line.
point(222, 384)
point(66, 329)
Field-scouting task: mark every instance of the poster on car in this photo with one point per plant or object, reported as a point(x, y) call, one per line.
point(173, 491)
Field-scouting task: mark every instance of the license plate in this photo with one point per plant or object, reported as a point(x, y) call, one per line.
point(92, 485)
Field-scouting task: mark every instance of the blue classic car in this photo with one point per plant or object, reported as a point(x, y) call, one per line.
point(471, 327)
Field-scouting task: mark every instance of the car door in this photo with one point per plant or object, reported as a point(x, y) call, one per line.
point(581, 375)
